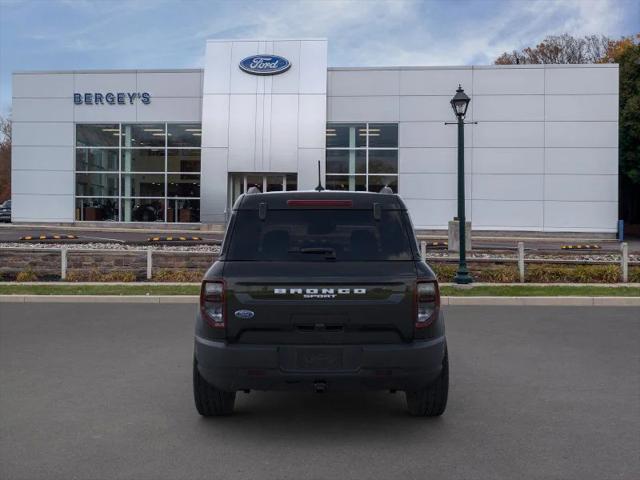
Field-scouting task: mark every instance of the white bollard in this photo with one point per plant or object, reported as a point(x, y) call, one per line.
point(423, 250)
point(149, 262)
point(625, 262)
point(521, 261)
point(63, 263)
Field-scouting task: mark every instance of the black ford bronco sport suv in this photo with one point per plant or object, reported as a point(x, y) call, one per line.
point(320, 291)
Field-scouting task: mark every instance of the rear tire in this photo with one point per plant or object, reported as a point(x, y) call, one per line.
point(432, 400)
point(211, 402)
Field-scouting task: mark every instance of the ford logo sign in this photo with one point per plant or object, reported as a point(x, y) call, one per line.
point(265, 64)
point(244, 314)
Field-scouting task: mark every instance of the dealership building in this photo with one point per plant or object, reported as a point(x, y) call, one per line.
point(179, 146)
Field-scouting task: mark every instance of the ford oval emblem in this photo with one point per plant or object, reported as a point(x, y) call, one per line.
point(244, 314)
point(265, 64)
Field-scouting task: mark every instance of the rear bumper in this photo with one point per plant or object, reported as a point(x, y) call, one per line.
point(340, 367)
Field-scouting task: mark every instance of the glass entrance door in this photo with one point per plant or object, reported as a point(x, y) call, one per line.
point(266, 182)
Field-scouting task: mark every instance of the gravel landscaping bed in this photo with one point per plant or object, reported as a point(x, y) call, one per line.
point(113, 246)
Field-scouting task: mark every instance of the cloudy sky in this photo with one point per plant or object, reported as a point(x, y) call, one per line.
point(102, 34)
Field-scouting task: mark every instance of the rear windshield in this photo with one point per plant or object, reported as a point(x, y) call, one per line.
point(319, 235)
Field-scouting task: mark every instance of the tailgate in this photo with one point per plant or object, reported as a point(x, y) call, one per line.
point(320, 303)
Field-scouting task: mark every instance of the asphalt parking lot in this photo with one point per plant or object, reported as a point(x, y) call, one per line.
point(104, 391)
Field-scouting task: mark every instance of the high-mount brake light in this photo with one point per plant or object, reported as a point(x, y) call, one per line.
point(427, 303)
point(212, 303)
point(319, 203)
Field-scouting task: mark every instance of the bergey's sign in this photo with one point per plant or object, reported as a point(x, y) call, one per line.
point(265, 64)
point(110, 98)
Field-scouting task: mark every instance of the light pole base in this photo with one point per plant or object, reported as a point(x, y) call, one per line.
point(462, 277)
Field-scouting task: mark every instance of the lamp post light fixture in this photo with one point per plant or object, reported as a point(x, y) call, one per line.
point(460, 103)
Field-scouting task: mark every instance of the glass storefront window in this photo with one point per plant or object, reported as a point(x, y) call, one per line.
point(96, 209)
point(97, 159)
point(143, 210)
point(131, 172)
point(346, 161)
point(143, 159)
point(183, 185)
point(143, 135)
point(383, 135)
point(344, 135)
point(358, 154)
point(347, 182)
point(96, 184)
point(101, 135)
point(377, 182)
point(183, 211)
point(383, 161)
point(142, 185)
point(183, 161)
point(184, 135)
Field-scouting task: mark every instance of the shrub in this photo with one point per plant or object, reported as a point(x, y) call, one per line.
point(634, 274)
point(173, 275)
point(97, 276)
point(444, 271)
point(27, 276)
point(540, 273)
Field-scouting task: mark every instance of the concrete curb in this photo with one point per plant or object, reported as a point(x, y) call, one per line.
point(452, 301)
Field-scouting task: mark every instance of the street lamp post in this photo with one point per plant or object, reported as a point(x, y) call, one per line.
point(460, 103)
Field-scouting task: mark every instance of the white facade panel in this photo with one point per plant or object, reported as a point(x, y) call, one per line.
point(42, 134)
point(596, 188)
point(432, 160)
point(42, 182)
point(582, 134)
point(509, 134)
point(507, 187)
point(351, 83)
point(213, 190)
point(581, 216)
point(43, 158)
point(105, 113)
point(215, 124)
point(242, 139)
point(428, 109)
point(42, 208)
point(509, 108)
point(509, 160)
point(217, 80)
point(43, 85)
point(106, 82)
point(171, 110)
point(432, 81)
point(170, 84)
point(288, 82)
point(313, 67)
point(349, 109)
point(311, 123)
point(308, 159)
point(574, 80)
point(581, 161)
point(432, 186)
point(508, 81)
point(499, 215)
point(435, 213)
point(241, 82)
point(283, 155)
point(581, 108)
point(42, 110)
point(431, 134)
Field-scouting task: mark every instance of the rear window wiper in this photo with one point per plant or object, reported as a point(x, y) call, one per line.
point(329, 252)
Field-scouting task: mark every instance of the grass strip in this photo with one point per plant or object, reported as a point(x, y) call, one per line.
point(485, 290)
point(541, 291)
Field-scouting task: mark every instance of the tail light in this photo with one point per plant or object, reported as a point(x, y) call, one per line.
point(212, 303)
point(427, 303)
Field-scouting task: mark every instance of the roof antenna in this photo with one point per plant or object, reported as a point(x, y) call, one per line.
point(319, 188)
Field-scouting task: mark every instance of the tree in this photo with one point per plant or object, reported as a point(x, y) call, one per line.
point(600, 49)
point(560, 49)
point(5, 158)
